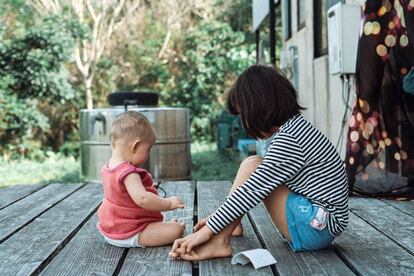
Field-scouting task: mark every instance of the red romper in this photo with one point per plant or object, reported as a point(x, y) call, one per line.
point(119, 216)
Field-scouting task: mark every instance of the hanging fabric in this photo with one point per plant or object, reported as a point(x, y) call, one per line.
point(380, 141)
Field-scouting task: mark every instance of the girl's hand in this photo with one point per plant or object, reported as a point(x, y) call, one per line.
point(200, 224)
point(175, 203)
point(186, 244)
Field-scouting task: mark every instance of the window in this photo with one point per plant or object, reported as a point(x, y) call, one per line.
point(320, 31)
point(320, 8)
point(301, 14)
point(287, 27)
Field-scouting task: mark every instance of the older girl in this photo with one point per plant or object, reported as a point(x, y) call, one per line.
point(301, 179)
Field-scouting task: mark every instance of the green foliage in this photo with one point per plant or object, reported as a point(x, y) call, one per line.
point(201, 66)
point(152, 75)
point(134, 65)
point(39, 107)
point(32, 83)
point(20, 119)
point(35, 62)
point(17, 8)
point(71, 146)
point(213, 55)
point(238, 14)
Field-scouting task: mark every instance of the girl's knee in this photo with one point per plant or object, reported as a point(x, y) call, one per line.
point(251, 162)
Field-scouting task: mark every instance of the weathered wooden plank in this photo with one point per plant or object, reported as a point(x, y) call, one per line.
point(12, 194)
point(370, 252)
point(210, 195)
point(86, 254)
point(390, 221)
point(405, 206)
point(17, 215)
point(30, 249)
point(140, 261)
point(321, 262)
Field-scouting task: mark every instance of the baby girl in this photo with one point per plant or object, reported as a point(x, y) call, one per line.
point(130, 213)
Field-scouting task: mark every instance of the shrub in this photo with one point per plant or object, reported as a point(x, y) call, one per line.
point(33, 86)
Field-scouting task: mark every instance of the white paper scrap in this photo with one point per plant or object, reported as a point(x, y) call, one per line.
point(258, 257)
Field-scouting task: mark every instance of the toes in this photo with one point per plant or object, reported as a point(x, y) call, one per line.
point(191, 256)
point(180, 250)
point(174, 255)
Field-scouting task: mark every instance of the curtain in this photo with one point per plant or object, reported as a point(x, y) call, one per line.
point(380, 140)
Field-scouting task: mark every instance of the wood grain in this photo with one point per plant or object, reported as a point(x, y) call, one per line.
point(210, 195)
point(321, 262)
point(30, 249)
point(404, 206)
point(52, 230)
point(370, 252)
point(86, 254)
point(390, 221)
point(17, 215)
point(155, 260)
point(14, 193)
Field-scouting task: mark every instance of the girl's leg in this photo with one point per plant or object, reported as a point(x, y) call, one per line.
point(161, 233)
point(247, 167)
point(219, 245)
point(275, 202)
point(276, 206)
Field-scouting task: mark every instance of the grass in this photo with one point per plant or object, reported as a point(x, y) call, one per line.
point(55, 168)
point(207, 164)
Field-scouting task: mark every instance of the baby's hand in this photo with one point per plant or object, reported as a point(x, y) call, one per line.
point(176, 203)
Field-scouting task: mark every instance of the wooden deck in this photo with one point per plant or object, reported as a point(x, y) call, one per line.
point(50, 230)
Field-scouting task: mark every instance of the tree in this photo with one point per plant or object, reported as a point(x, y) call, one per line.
point(142, 51)
point(209, 57)
point(103, 18)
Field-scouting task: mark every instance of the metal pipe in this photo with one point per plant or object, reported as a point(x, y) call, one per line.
point(257, 32)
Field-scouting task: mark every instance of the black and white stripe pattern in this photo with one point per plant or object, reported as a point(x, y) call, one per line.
point(301, 157)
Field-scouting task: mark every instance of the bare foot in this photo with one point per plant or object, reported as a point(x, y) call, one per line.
point(182, 227)
point(238, 231)
point(214, 248)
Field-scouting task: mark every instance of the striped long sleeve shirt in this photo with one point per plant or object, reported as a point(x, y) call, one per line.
point(303, 159)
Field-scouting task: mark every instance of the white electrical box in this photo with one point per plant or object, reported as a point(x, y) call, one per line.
point(344, 22)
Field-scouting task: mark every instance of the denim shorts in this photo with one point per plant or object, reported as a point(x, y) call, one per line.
point(300, 215)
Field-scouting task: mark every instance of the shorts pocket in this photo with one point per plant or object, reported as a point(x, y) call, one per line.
point(305, 211)
point(311, 238)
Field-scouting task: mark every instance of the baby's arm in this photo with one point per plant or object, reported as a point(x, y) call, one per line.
point(148, 200)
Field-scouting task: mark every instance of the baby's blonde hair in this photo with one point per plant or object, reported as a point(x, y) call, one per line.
point(129, 126)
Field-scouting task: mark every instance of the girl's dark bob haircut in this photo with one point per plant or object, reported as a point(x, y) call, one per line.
point(264, 98)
